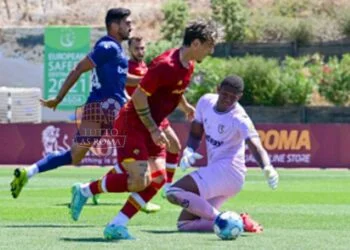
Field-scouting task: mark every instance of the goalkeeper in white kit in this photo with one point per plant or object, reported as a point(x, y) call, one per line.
point(227, 129)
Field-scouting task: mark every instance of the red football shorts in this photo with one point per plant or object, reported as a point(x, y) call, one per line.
point(138, 144)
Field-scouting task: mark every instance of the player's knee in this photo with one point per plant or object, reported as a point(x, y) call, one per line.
point(172, 195)
point(177, 147)
point(139, 183)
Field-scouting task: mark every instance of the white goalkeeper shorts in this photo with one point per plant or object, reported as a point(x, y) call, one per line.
point(218, 179)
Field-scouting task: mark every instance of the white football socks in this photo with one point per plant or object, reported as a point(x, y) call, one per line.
point(85, 190)
point(32, 170)
point(120, 220)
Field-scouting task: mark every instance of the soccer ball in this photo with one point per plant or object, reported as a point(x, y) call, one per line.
point(228, 225)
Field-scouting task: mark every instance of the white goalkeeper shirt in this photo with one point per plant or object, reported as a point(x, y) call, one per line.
point(226, 132)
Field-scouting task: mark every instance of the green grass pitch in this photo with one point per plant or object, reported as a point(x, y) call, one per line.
point(310, 210)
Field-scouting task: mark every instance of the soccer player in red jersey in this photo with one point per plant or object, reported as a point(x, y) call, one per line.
point(137, 65)
point(141, 122)
point(139, 68)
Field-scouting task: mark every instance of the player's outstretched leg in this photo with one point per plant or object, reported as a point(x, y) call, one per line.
point(78, 201)
point(22, 175)
point(185, 193)
point(137, 200)
point(188, 222)
point(112, 183)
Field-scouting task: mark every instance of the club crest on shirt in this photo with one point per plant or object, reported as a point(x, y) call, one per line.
point(179, 83)
point(221, 128)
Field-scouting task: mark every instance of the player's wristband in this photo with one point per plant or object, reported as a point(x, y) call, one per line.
point(193, 142)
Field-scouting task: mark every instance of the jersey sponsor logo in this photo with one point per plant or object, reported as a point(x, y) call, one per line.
point(122, 70)
point(213, 142)
point(178, 91)
point(221, 128)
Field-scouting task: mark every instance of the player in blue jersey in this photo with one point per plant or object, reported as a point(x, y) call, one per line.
point(110, 66)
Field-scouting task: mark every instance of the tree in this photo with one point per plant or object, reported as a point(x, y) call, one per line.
point(231, 14)
point(176, 15)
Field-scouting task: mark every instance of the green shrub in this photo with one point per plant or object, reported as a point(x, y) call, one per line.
point(335, 82)
point(259, 86)
point(276, 28)
point(302, 34)
point(268, 83)
point(176, 14)
point(232, 15)
point(290, 8)
point(295, 82)
point(344, 22)
point(206, 77)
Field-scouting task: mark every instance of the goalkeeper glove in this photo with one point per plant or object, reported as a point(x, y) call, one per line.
point(271, 176)
point(188, 158)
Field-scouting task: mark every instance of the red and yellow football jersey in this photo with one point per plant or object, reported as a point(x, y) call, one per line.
point(164, 83)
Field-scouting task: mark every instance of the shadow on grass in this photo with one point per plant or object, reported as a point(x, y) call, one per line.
point(89, 240)
point(218, 239)
point(93, 205)
point(173, 232)
point(47, 226)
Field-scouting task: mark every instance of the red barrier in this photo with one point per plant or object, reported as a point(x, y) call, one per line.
point(289, 145)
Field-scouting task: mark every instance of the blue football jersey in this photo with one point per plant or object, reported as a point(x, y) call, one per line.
point(110, 72)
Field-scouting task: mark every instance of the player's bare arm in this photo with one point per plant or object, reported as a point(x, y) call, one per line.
point(263, 160)
point(195, 136)
point(133, 80)
point(189, 155)
point(258, 151)
point(187, 108)
point(127, 96)
point(139, 98)
point(84, 65)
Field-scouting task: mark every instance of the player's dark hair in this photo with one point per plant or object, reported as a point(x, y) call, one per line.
point(134, 38)
point(235, 82)
point(202, 30)
point(116, 15)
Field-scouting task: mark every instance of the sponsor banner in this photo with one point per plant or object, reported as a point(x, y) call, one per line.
point(27, 143)
point(289, 145)
point(64, 48)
